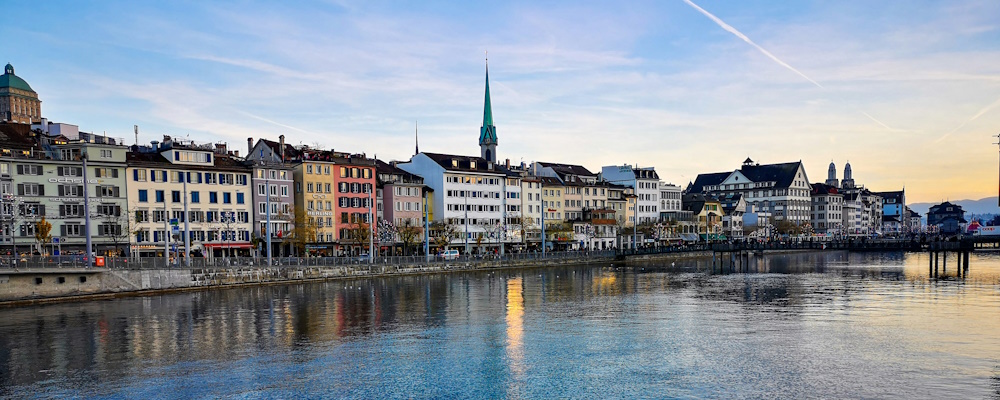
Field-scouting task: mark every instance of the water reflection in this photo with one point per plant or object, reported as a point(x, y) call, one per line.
point(515, 333)
point(807, 321)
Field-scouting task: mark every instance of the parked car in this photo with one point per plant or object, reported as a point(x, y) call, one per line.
point(448, 254)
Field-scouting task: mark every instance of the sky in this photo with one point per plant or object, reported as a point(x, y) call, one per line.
point(908, 92)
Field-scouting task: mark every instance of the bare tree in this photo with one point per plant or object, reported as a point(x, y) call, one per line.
point(442, 234)
point(409, 234)
point(119, 225)
point(304, 231)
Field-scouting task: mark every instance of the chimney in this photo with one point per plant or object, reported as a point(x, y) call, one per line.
point(507, 163)
point(220, 148)
point(249, 146)
point(281, 147)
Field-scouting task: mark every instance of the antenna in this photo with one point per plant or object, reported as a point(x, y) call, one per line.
point(416, 138)
point(136, 129)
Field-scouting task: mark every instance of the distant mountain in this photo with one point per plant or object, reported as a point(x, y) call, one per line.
point(981, 206)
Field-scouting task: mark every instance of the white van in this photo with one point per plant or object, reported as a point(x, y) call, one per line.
point(449, 254)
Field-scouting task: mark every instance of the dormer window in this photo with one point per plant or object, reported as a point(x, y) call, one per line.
point(472, 165)
point(454, 163)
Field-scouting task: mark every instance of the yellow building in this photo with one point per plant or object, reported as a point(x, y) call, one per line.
point(314, 204)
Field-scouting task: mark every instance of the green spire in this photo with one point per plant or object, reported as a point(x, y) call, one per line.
point(488, 132)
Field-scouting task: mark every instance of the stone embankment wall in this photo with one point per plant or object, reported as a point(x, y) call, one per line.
point(53, 284)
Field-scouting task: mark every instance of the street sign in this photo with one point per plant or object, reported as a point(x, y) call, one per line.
point(175, 229)
point(173, 221)
point(55, 240)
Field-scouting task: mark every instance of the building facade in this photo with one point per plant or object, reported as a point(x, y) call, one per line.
point(183, 186)
point(18, 102)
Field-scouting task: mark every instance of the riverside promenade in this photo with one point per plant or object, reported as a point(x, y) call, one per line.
point(47, 279)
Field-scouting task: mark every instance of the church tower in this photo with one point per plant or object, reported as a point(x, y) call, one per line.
point(488, 132)
point(848, 178)
point(831, 175)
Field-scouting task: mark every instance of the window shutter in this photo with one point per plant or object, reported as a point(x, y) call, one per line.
point(20, 169)
point(135, 175)
point(60, 170)
point(62, 190)
point(114, 173)
point(62, 230)
point(20, 186)
point(116, 191)
point(79, 190)
point(41, 211)
point(97, 172)
point(41, 190)
point(62, 210)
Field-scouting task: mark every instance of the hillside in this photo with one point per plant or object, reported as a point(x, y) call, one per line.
point(981, 206)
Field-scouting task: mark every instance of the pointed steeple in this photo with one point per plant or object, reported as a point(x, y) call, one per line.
point(416, 139)
point(488, 132)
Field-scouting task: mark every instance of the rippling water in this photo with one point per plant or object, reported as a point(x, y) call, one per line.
point(829, 325)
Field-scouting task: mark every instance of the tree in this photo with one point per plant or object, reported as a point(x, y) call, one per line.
point(359, 233)
point(442, 234)
point(409, 234)
point(787, 227)
point(43, 233)
point(303, 232)
point(119, 225)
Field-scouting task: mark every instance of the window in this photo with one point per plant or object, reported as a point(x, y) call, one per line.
point(159, 196)
point(213, 197)
point(143, 196)
point(239, 198)
point(343, 172)
point(70, 210)
point(227, 198)
point(141, 216)
point(175, 196)
point(284, 190)
point(274, 189)
point(107, 191)
point(195, 197)
point(139, 175)
point(261, 189)
point(71, 190)
point(29, 169)
point(309, 169)
point(309, 187)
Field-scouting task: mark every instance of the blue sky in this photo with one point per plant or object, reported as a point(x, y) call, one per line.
point(907, 91)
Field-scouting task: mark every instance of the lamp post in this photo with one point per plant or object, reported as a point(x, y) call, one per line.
point(86, 210)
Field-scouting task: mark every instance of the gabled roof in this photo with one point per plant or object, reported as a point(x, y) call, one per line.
point(695, 202)
point(382, 167)
point(290, 152)
point(782, 174)
point(698, 186)
point(451, 162)
point(568, 169)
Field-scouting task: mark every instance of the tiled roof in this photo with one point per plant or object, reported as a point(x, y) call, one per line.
point(156, 160)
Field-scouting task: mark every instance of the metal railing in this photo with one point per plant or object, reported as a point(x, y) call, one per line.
point(33, 262)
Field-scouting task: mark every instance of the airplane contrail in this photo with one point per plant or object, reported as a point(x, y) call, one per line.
point(740, 35)
point(737, 33)
point(974, 117)
point(274, 122)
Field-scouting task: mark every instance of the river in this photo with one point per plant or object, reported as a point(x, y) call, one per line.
point(816, 325)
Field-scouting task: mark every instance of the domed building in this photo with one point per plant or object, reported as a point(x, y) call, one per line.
point(18, 102)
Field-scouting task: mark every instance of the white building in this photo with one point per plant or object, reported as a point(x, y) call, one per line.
point(646, 185)
point(469, 196)
point(780, 190)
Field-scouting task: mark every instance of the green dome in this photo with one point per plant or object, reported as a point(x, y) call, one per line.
point(8, 79)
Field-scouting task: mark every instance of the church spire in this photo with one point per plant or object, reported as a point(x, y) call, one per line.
point(416, 138)
point(488, 132)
